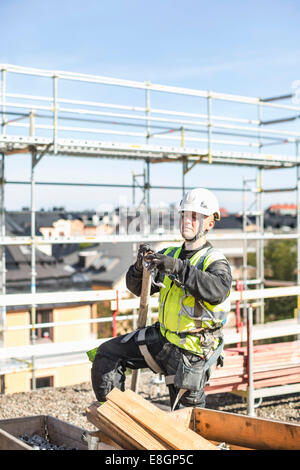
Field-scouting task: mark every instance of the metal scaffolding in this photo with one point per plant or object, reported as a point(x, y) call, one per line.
point(147, 130)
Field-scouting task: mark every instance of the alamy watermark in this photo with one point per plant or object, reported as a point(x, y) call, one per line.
point(128, 220)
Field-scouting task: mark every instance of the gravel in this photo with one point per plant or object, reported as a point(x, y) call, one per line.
point(69, 403)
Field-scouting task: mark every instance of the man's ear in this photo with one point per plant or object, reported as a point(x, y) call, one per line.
point(211, 224)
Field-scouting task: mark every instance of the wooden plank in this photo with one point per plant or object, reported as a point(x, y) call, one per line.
point(273, 364)
point(258, 375)
point(110, 423)
point(62, 433)
point(104, 439)
point(222, 388)
point(91, 414)
point(272, 373)
point(292, 347)
point(113, 424)
point(104, 426)
point(255, 433)
point(126, 431)
point(159, 424)
point(27, 424)
point(289, 379)
point(10, 442)
point(238, 384)
point(271, 369)
point(183, 417)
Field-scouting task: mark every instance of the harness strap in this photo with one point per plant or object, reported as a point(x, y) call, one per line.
point(145, 351)
point(169, 379)
point(128, 337)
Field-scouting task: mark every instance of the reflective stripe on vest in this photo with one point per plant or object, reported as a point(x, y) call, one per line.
point(179, 312)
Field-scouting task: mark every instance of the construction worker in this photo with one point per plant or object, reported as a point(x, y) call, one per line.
point(194, 282)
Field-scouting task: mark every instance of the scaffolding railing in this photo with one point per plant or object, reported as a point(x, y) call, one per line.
point(158, 123)
point(120, 302)
point(43, 120)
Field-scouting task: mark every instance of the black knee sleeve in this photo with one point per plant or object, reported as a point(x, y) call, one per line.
point(106, 374)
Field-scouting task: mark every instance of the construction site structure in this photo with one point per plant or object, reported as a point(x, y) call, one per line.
point(150, 131)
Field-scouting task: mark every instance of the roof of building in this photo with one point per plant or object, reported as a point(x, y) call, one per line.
point(70, 267)
point(102, 264)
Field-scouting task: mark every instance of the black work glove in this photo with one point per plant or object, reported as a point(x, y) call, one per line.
point(143, 249)
point(163, 263)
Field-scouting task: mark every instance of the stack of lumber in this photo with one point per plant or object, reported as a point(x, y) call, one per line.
point(133, 423)
point(273, 364)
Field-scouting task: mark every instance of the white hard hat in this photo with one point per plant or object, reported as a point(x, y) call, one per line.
point(202, 201)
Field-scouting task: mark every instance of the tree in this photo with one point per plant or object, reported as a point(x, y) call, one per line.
point(280, 260)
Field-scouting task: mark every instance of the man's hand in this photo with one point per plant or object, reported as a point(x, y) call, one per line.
point(163, 263)
point(144, 249)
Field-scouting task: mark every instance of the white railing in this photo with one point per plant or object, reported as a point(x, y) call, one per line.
point(145, 120)
point(120, 304)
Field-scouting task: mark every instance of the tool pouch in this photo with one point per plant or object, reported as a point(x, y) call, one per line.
point(190, 373)
point(168, 358)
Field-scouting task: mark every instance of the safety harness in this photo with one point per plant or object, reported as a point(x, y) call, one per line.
point(206, 322)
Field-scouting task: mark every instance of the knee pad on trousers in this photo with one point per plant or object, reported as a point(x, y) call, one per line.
point(193, 398)
point(107, 374)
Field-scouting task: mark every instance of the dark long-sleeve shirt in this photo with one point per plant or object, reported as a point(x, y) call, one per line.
point(212, 285)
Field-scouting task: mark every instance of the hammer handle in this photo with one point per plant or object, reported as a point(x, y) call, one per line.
point(142, 318)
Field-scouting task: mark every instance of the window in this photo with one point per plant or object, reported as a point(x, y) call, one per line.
point(43, 382)
point(44, 334)
point(2, 384)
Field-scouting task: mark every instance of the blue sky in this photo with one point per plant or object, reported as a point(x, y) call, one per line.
point(249, 48)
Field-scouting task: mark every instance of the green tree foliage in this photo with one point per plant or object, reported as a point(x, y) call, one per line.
point(280, 258)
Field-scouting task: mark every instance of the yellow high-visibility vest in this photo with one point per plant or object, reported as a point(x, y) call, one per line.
point(178, 311)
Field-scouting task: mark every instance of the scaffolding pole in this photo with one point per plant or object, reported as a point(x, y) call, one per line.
point(298, 229)
point(260, 222)
point(260, 243)
point(245, 248)
point(209, 128)
point(3, 257)
point(250, 388)
point(3, 232)
point(33, 263)
point(55, 114)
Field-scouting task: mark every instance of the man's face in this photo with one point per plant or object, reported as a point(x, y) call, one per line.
point(192, 223)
